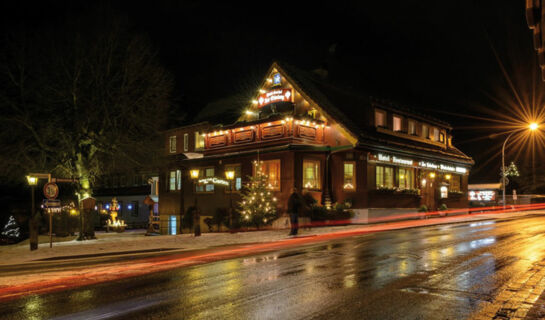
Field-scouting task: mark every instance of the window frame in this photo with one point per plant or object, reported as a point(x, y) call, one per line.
point(279, 178)
point(186, 142)
point(234, 166)
point(177, 180)
point(354, 182)
point(384, 120)
point(198, 138)
point(394, 117)
point(172, 144)
point(412, 182)
point(413, 123)
point(318, 173)
point(383, 175)
point(202, 174)
point(426, 132)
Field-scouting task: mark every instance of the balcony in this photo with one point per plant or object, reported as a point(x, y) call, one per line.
point(265, 132)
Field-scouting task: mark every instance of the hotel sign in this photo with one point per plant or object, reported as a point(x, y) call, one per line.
point(386, 158)
point(482, 195)
point(275, 95)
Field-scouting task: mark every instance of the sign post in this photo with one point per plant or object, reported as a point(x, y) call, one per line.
point(51, 191)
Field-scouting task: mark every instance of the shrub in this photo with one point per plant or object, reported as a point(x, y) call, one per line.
point(423, 208)
point(221, 216)
point(443, 207)
point(209, 221)
point(318, 213)
point(187, 220)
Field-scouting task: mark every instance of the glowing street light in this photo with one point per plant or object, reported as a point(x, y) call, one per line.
point(32, 182)
point(532, 127)
point(194, 174)
point(230, 175)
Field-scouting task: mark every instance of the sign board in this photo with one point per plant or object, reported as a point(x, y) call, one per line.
point(482, 195)
point(388, 158)
point(49, 203)
point(51, 190)
point(275, 95)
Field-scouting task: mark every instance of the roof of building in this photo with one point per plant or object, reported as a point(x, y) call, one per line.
point(347, 106)
point(350, 108)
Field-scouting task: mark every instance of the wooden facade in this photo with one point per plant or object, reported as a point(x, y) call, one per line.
point(333, 145)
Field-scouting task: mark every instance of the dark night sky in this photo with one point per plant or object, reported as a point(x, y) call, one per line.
point(435, 55)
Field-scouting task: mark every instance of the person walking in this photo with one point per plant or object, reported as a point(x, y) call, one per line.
point(295, 202)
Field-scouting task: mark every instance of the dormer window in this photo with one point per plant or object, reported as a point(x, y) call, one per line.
point(411, 128)
point(380, 118)
point(435, 134)
point(397, 123)
point(425, 132)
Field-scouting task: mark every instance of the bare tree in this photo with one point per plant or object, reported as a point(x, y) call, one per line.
point(80, 101)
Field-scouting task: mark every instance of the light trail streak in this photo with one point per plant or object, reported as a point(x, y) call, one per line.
point(145, 266)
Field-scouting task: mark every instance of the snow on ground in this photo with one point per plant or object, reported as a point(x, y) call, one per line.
point(135, 240)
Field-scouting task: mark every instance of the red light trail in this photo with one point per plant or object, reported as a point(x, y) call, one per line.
point(134, 268)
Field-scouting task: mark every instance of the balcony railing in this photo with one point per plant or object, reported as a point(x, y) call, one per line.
point(265, 131)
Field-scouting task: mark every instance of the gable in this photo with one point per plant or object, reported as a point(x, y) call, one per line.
point(280, 92)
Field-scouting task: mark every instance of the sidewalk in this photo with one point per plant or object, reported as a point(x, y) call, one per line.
point(132, 242)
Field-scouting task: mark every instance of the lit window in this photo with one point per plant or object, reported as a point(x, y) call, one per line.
point(405, 178)
point(349, 182)
point(237, 185)
point(425, 132)
point(435, 134)
point(412, 128)
point(442, 137)
point(199, 141)
point(311, 174)
point(380, 118)
point(454, 183)
point(397, 123)
point(271, 168)
point(209, 187)
point(385, 177)
point(172, 144)
point(186, 141)
point(444, 192)
point(175, 180)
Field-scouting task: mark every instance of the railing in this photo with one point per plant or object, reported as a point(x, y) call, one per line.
point(290, 128)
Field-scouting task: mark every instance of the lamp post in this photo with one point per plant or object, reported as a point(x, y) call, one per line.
point(32, 182)
point(194, 174)
point(532, 127)
point(230, 175)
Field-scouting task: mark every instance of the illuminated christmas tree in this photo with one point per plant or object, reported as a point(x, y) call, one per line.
point(11, 229)
point(512, 170)
point(258, 205)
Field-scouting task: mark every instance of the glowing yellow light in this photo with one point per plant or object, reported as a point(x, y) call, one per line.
point(230, 175)
point(254, 101)
point(533, 126)
point(73, 211)
point(249, 112)
point(262, 91)
point(194, 173)
point(447, 176)
point(432, 175)
point(32, 180)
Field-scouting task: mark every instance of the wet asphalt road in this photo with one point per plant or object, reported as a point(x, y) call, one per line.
point(439, 272)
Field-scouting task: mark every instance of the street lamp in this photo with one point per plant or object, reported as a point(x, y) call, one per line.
point(230, 175)
point(194, 174)
point(532, 127)
point(32, 182)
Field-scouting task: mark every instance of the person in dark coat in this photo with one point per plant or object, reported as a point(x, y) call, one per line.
point(295, 203)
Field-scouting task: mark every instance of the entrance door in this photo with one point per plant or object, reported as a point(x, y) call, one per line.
point(427, 187)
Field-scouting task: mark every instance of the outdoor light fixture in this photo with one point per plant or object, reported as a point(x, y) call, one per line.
point(533, 126)
point(432, 175)
point(194, 173)
point(32, 181)
point(230, 175)
point(447, 176)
